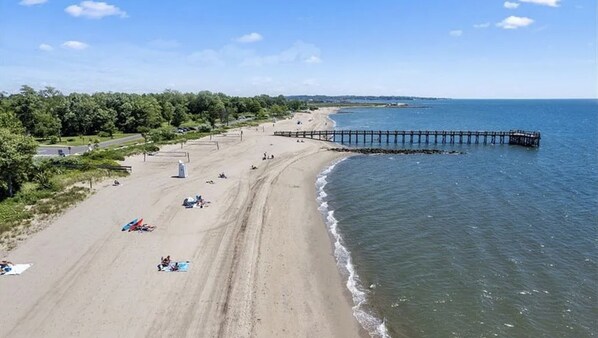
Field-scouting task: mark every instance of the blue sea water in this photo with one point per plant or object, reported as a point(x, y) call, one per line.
point(501, 241)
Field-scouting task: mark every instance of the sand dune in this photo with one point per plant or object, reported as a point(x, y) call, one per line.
point(261, 259)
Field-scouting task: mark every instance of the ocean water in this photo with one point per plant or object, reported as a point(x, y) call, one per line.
point(501, 241)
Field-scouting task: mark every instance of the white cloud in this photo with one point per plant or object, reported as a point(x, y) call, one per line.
point(45, 47)
point(249, 38)
point(78, 45)
point(94, 10)
point(299, 51)
point(511, 5)
point(32, 2)
point(514, 22)
point(232, 54)
point(456, 33)
point(551, 3)
point(313, 59)
point(482, 25)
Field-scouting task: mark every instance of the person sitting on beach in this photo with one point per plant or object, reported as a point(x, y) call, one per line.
point(5, 266)
point(175, 267)
point(116, 182)
point(165, 262)
point(272, 156)
point(253, 167)
point(147, 227)
point(222, 175)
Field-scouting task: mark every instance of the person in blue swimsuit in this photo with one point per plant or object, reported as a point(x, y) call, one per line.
point(5, 266)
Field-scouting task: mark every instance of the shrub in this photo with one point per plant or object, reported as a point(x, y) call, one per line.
point(161, 134)
point(204, 128)
point(102, 155)
point(53, 139)
point(103, 134)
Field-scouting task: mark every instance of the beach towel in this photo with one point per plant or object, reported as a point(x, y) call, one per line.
point(16, 269)
point(183, 267)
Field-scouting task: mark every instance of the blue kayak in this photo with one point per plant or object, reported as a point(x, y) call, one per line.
point(129, 225)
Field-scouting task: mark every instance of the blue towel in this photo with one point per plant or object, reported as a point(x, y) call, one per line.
point(183, 267)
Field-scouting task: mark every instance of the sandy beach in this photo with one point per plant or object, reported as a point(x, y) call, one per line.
point(261, 262)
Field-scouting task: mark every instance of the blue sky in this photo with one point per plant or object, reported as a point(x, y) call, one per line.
point(444, 48)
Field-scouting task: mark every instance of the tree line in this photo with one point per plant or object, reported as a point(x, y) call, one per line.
point(49, 113)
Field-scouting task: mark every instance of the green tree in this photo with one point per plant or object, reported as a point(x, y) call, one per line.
point(26, 104)
point(9, 120)
point(16, 157)
point(216, 111)
point(109, 128)
point(277, 110)
point(167, 111)
point(46, 125)
point(179, 116)
point(253, 106)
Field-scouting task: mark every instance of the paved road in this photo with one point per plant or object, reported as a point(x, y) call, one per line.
point(53, 150)
point(48, 150)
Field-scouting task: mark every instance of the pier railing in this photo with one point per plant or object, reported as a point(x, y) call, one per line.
point(515, 137)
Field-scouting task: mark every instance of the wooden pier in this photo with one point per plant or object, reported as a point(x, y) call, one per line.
point(514, 137)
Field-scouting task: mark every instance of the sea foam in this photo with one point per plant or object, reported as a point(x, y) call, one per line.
point(375, 326)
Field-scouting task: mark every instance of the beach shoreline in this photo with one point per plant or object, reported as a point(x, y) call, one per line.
point(261, 257)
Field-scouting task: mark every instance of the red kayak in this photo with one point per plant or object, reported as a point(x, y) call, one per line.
point(136, 226)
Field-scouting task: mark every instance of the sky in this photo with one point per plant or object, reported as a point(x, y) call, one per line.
point(432, 48)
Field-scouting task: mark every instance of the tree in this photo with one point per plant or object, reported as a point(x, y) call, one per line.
point(253, 106)
point(108, 126)
point(16, 157)
point(26, 104)
point(215, 112)
point(167, 111)
point(277, 110)
point(10, 121)
point(179, 116)
point(46, 125)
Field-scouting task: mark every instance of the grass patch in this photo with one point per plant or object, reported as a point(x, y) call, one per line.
point(51, 196)
point(111, 155)
point(13, 213)
point(60, 201)
point(82, 140)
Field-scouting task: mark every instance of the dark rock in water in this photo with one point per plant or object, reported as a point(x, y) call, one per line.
point(397, 151)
